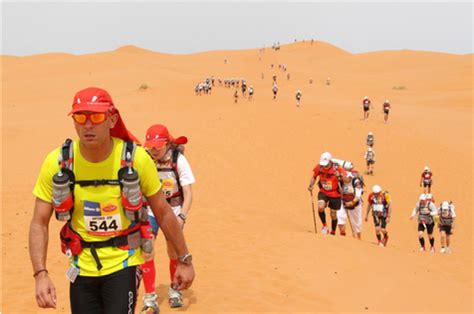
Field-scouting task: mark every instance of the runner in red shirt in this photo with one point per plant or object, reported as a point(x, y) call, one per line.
point(426, 180)
point(366, 105)
point(330, 179)
point(386, 110)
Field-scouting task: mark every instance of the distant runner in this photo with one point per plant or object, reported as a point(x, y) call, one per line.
point(366, 104)
point(298, 98)
point(369, 157)
point(380, 204)
point(447, 216)
point(251, 91)
point(275, 90)
point(370, 139)
point(426, 211)
point(426, 180)
point(386, 110)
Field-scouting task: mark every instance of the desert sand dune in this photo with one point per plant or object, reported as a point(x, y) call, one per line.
point(251, 228)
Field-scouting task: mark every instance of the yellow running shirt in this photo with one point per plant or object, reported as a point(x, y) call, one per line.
point(91, 202)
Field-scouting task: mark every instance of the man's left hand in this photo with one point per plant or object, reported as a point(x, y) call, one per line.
point(183, 277)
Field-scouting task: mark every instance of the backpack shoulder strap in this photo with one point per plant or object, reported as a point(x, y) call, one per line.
point(174, 161)
point(67, 154)
point(128, 154)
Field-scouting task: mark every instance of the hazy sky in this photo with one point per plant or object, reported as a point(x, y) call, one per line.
point(87, 27)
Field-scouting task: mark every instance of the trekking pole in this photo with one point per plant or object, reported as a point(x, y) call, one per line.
point(314, 214)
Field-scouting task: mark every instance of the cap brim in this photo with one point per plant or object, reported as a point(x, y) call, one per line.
point(155, 143)
point(91, 108)
point(324, 162)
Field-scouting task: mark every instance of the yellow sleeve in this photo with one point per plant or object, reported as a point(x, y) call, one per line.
point(149, 178)
point(44, 184)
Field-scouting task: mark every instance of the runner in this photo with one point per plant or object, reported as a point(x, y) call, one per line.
point(177, 177)
point(369, 157)
point(447, 216)
point(426, 212)
point(275, 90)
point(251, 91)
point(104, 222)
point(352, 204)
point(426, 180)
point(367, 105)
point(298, 98)
point(330, 176)
point(244, 88)
point(370, 139)
point(386, 110)
point(380, 204)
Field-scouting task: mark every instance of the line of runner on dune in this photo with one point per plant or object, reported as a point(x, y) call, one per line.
point(341, 189)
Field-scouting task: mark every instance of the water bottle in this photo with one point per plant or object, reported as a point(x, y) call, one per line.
point(146, 235)
point(62, 197)
point(131, 193)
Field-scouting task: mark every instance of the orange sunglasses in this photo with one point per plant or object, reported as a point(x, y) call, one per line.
point(95, 118)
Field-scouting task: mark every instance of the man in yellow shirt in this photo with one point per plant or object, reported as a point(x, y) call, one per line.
point(104, 229)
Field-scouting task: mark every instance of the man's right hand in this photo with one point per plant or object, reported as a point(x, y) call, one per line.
point(45, 291)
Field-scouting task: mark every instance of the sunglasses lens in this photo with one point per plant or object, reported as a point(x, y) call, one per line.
point(97, 117)
point(80, 118)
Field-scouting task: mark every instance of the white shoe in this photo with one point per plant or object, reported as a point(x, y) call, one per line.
point(422, 249)
point(324, 230)
point(150, 304)
point(443, 250)
point(175, 298)
point(432, 250)
point(381, 244)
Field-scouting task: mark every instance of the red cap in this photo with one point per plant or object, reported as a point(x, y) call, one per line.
point(95, 99)
point(158, 134)
point(92, 99)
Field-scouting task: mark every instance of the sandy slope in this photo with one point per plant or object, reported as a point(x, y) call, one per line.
point(251, 224)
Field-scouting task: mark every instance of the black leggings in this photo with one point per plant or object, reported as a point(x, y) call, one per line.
point(111, 294)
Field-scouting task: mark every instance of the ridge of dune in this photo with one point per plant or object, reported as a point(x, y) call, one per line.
point(132, 49)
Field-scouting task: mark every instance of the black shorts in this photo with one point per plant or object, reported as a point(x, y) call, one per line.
point(429, 227)
point(385, 111)
point(370, 162)
point(446, 229)
point(110, 294)
point(333, 202)
point(380, 221)
point(425, 184)
point(366, 109)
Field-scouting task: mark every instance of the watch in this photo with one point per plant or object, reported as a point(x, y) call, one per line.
point(183, 216)
point(186, 259)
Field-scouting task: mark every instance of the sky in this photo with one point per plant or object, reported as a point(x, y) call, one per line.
point(37, 27)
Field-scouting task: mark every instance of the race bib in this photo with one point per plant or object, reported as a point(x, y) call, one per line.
point(327, 185)
point(102, 219)
point(168, 187)
point(378, 208)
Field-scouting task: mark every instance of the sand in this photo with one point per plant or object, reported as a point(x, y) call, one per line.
point(251, 229)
